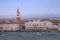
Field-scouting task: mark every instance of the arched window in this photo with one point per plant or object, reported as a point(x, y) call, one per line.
point(37, 24)
point(27, 24)
point(40, 25)
point(32, 24)
point(23, 27)
point(1, 27)
point(43, 25)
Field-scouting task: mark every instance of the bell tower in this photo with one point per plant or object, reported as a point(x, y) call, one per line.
point(18, 20)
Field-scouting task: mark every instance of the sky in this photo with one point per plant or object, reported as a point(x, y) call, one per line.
point(30, 8)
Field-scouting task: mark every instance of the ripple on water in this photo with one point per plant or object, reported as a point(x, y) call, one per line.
point(29, 36)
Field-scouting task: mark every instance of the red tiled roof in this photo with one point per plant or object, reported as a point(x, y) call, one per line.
point(7, 21)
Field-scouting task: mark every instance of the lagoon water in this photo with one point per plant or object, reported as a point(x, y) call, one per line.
point(28, 36)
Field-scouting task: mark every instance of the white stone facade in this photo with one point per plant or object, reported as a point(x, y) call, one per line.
point(59, 27)
point(37, 24)
point(9, 27)
point(53, 26)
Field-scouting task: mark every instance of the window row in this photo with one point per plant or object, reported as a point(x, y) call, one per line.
point(35, 25)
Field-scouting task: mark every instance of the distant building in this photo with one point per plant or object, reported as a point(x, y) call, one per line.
point(18, 19)
point(37, 24)
point(52, 27)
point(11, 24)
point(59, 26)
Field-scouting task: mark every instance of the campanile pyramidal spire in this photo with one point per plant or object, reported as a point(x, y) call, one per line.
point(18, 16)
point(18, 12)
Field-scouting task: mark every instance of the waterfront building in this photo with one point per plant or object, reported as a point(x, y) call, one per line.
point(52, 27)
point(11, 24)
point(36, 24)
point(58, 26)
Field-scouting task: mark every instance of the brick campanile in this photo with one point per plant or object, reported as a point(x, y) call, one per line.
point(18, 19)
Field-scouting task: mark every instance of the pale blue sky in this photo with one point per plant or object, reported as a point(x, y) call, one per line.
point(30, 8)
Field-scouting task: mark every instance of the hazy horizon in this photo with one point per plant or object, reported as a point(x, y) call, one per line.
point(30, 8)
